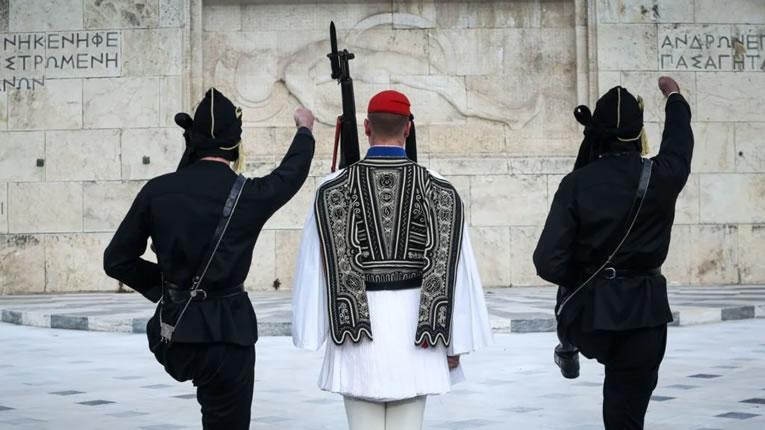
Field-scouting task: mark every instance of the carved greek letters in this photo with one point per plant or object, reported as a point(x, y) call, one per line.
point(28, 59)
point(711, 48)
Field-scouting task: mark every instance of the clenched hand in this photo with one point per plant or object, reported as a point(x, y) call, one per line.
point(303, 118)
point(668, 85)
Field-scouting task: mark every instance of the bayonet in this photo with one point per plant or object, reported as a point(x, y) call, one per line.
point(333, 55)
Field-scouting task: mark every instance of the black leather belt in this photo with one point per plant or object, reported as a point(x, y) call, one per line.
point(406, 284)
point(176, 294)
point(614, 273)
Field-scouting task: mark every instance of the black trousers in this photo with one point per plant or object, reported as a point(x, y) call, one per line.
point(224, 375)
point(632, 359)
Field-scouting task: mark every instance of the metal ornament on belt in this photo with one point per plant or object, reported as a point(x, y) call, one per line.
point(166, 331)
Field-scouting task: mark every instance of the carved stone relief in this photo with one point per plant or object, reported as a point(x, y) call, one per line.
point(269, 72)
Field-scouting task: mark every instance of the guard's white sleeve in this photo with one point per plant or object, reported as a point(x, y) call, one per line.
point(470, 319)
point(309, 293)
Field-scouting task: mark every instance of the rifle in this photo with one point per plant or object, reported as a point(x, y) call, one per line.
point(346, 133)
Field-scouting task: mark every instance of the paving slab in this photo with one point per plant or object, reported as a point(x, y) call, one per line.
point(713, 377)
point(511, 310)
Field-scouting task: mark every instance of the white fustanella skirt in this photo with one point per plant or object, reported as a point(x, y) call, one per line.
point(390, 367)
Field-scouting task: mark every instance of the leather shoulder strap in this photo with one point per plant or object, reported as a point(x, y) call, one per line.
point(228, 211)
point(637, 203)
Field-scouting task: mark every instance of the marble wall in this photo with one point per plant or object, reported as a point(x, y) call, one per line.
point(716, 50)
point(106, 78)
point(492, 83)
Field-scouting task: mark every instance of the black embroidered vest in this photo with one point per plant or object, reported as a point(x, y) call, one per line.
point(387, 223)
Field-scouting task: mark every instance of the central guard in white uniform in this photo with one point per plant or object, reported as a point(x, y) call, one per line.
point(386, 278)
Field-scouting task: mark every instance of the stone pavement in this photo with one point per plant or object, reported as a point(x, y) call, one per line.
point(516, 310)
point(713, 378)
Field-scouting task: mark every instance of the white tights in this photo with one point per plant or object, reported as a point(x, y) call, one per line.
point(404, 414)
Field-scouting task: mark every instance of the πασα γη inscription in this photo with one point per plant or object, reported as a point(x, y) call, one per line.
point(712, 48)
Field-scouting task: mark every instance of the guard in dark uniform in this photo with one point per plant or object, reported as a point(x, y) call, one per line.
point(620, 317)
point(212, 344)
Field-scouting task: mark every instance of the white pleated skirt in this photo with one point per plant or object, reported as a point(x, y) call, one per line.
point(390, 367)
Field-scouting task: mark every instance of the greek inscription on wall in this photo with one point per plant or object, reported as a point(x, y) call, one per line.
point(28, 59)
point(712, 48)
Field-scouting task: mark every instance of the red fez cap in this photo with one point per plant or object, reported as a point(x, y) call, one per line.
point(389, 101)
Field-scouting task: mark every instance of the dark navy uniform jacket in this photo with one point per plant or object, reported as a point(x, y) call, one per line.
point(179, 212)
point(587, 220)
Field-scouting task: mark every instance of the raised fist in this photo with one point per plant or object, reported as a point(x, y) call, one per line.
point(303, 118)
point(668, 85)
